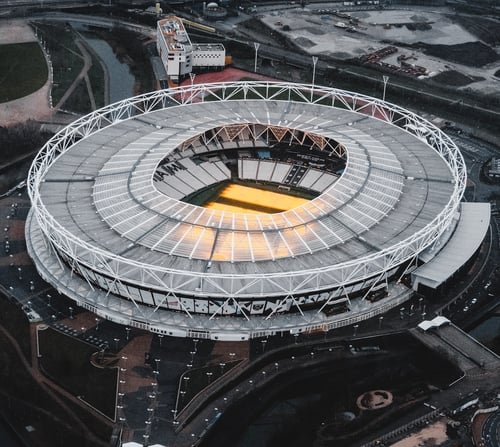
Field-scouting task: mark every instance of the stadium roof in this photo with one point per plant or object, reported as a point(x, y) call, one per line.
point(103, 232)
point(393, 185)
point(467, 238)
point(395, 195)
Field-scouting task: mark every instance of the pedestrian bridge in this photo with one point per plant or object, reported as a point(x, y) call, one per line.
point(459, 347)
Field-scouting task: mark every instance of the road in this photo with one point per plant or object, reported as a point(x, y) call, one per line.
point(491, 430)
point(42, 3)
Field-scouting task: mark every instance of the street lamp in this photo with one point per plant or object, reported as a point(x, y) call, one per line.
point(192, 76)
point(315, 60)
point(256, 46)
point(263, 345)
point(385, 79)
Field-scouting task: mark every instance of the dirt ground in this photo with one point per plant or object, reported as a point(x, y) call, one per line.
point(318, 31)
point(432, 435)
point(36, 105)
point(16, 31)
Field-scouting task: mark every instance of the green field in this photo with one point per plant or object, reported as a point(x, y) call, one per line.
point(23, 70)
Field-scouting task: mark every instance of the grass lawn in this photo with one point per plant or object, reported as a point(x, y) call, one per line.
point(66, 58)
point(66, 360)
point(23, 70)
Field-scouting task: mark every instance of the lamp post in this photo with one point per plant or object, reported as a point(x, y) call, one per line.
point(256, 46)
point(386, 80)
point(315, 61)
point(263, 345)
point(192, 76)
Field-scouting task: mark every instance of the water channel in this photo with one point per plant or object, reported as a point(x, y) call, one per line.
point(488, 332)
point(120, 80)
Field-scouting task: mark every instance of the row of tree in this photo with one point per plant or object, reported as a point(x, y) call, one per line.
point(19, 141)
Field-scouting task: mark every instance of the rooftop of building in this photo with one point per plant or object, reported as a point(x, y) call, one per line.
point(174, 33)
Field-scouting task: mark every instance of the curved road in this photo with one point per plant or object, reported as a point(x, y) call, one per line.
point(491, 430)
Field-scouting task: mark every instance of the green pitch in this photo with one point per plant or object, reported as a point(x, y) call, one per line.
point(23, 70)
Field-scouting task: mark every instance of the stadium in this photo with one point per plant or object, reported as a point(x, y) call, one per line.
point(238, 210)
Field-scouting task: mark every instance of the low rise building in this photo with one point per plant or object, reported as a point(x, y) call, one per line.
point(179, 56)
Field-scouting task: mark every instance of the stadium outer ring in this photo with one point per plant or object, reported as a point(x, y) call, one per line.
point(41, 225)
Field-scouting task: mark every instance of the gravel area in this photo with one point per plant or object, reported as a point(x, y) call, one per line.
point(433, 435)
point(16, 31)
point(36, 105)
point(416, 33)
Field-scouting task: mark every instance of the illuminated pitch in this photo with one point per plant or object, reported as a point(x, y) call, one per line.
point(247, 199)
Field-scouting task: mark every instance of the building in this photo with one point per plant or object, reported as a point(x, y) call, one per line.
point(212, 11)
point(179, 56)
point(493, 169)
point(109, 226)
point(174, 48)
point(209, 56)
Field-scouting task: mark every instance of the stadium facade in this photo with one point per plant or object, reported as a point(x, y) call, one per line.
point(110, 227)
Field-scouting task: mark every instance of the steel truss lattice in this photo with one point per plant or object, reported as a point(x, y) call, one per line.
point(82, 256)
